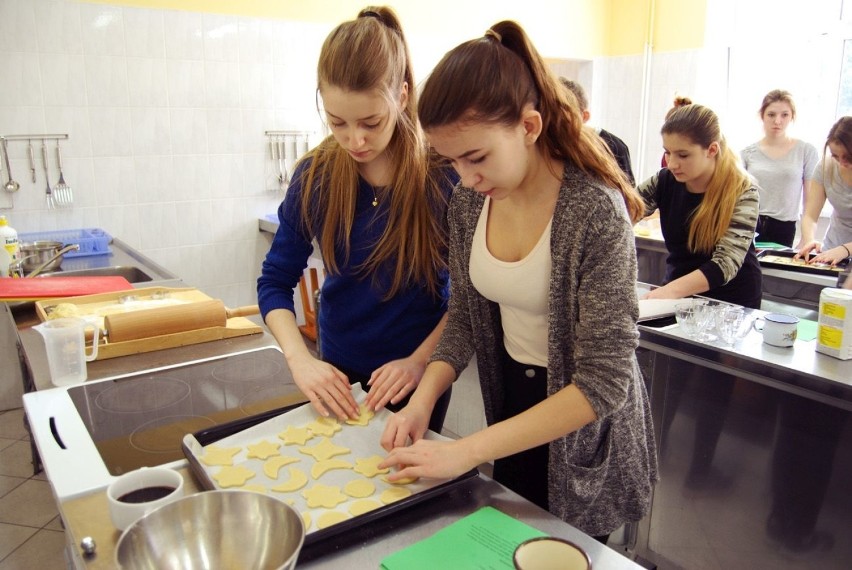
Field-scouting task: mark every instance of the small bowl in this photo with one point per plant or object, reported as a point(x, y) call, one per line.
point(550, 553)
point(214, 529)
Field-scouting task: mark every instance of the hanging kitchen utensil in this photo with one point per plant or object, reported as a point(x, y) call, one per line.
point(48, 193)
point(32, 160)
point(283, 178)
point(62, 190)
point(11, 185)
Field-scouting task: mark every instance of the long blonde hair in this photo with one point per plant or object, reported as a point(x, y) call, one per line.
point(711, 219)
point(493, 78)
point(366, 54)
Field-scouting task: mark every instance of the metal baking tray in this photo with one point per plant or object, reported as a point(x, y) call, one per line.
point(784, 260)
point(422, 490)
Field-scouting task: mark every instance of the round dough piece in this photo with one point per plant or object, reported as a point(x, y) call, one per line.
point(359, 488)
point(297, 480)
point(330, 518)
point(363, 506)
point(394, 494)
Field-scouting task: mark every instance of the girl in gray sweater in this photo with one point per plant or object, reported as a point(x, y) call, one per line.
point(542, 273)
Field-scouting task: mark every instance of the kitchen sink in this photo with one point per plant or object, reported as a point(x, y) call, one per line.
point(130, 272)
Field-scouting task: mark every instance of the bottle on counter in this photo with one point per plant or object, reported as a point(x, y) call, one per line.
point(9, 249)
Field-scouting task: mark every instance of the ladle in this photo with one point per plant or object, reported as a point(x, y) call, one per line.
point(11, 185)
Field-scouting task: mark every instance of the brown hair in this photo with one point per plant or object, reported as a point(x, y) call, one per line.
point(368, 54)
point(840, 133)
point(679, 101)
point(578, 92)
point(776, 96)
point(709, 222)
point(516, 76)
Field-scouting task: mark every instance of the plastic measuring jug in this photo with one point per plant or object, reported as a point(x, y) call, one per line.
point(65, 342)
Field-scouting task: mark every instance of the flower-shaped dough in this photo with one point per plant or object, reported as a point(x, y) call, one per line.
point(323, 496)
point(369, 466)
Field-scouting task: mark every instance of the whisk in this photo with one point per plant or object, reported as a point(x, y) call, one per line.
point(64, 194)
point(48, 193)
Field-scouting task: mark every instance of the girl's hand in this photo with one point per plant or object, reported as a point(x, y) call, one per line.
point(408, 424)
point(393, 382)
point(326, 387)
point(806, 248)
point(832, 256)
point(431, 459)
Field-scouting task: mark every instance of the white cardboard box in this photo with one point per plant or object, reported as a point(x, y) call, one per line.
point(834, 336)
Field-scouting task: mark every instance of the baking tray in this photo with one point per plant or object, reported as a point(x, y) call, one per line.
point(784, 260)
point(267, 425)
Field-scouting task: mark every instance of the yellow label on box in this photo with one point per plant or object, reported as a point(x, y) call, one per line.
point(830, 336)
point(833, 310)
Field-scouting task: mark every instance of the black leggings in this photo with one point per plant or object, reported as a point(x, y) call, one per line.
point(775, 231)
point(436, 422)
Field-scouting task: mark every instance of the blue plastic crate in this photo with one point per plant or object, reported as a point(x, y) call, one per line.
point(92, 241)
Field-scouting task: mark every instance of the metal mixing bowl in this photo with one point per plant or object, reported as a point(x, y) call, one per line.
point(36, 253)
point(214, 529)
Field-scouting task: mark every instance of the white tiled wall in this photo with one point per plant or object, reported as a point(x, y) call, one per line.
point(166, 112)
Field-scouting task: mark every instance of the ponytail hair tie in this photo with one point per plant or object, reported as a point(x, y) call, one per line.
point(491, 33)
point(371, 14)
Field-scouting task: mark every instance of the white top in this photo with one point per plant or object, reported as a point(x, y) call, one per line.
point(520, 288)
point(839, 195)
point(780, 181)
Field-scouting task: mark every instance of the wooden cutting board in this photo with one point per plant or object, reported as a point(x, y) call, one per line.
point(125, 302)
point(26, 289)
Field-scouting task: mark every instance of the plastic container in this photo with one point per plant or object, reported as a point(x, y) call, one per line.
point(92, 241)
point(9, 242)
point(65, 343)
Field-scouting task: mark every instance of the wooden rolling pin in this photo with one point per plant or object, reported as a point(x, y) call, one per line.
point(147, 323)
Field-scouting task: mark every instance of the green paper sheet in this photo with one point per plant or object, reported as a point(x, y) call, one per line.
point(806, 330)
point(484, 540)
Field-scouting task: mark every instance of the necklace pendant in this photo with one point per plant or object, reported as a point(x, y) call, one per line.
point(375, 202)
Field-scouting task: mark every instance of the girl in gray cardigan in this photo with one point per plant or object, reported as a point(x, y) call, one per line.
point(543, 271)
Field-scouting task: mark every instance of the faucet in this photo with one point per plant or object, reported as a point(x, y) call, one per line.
point(16, 268)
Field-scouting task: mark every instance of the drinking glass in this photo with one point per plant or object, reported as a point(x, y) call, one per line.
point(728, 324)
point(686, 314)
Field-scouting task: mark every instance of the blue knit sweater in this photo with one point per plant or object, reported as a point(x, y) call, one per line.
point(358, 329)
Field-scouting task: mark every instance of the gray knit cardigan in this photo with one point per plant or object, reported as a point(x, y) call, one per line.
point(602, 475)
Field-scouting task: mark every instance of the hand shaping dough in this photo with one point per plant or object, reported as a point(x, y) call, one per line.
point(330, 518)
point(297, 480)
point(323, 496)
point(365, 414)
point(324, 450)
point(293, 435)
point(262, 450)
point(273, 465)
point(359, 488)
point(215, 455)
point(230, 476)
point(368, 467)
point(324, 426)
point(403, 481)
point(321, 467)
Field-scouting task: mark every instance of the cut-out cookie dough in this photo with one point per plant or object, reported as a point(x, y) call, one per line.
point(324, 450)
point(365, 414)
point(293, 435)
point(306, 518)
point(368, 467)
point(273, 465)
point(403, 481)
point(215, 455)
point(230, 476)
point(262, 450)
point(363, 506)
point(321, 467)
point(324, 426)
point(359, 488)
point(331, 518)
point(297, 480)
point(394, 494)
point(323, 496)
point(255, 487)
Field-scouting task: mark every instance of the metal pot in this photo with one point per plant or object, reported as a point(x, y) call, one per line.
point(37, 253)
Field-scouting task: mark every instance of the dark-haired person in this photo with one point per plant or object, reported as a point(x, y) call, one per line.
point(374, 197)
point(618, 147)
point(543, 272)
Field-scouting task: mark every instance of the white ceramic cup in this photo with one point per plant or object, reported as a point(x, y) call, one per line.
point(549, 553)
point(124, 513)
point(778, 329)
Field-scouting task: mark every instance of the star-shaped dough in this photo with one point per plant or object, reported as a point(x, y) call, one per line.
point(215, 455)
point(323, 496)
point(297, 480)
point(273, 465)
point(298, 435)
point(324, 450)
point(365, 414)
point(231, 476)
point(321, 467)
point(262, 450)
point(369, 467)
point(324, 426)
